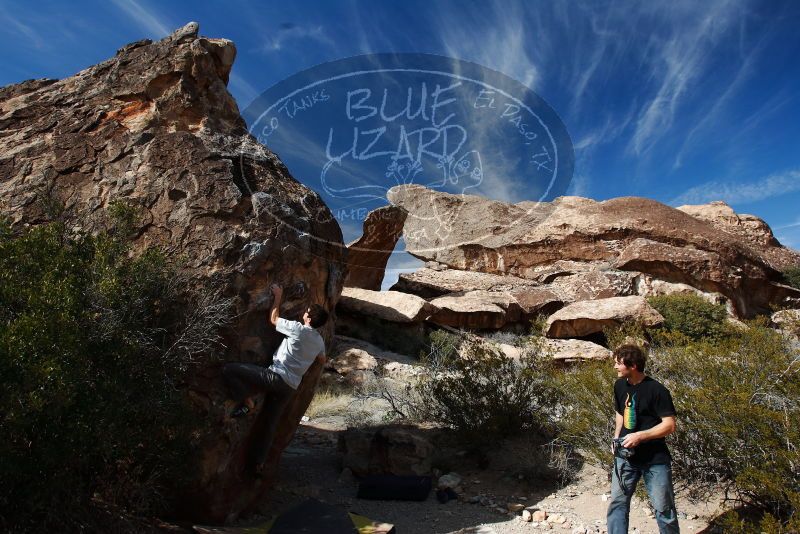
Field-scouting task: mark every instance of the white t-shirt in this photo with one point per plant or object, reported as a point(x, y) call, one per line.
point(296, 352)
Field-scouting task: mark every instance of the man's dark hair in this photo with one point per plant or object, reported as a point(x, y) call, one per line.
point(318, 315)
point(631, 356)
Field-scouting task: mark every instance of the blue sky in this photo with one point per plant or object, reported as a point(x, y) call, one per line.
point(680, 101)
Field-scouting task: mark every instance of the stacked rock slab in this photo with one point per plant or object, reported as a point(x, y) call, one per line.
point(391, 319)
point(633, 234)
point(588, 317)
point(155, 127)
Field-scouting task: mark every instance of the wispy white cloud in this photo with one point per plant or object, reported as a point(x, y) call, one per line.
point(721, 102)
point(742, 193)
point(289, 31)
point(26, 30)
point(679, 61)
point(496, 36)
point(157, 27)
point(795, 224)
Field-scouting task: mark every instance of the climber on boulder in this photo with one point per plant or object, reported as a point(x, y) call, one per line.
point(302, 345)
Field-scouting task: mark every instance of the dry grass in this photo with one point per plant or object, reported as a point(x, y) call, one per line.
point(329, 401)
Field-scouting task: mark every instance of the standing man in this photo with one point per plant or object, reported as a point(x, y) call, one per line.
point(645, 415)
point(302, 345)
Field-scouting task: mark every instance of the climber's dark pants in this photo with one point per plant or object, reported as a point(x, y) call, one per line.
point(246, 380)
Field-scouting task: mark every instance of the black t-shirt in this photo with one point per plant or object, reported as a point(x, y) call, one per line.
point(642, 406)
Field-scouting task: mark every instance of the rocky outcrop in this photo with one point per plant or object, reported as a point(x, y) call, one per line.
point(572, 350)
point(429, 283)
point(368, 255)
point(155, 127)
point(564, 350)
point(590, 317)
point(788, 320)
point(527, 239)
point(388, 305)
point(390, 319)
point(750, 228)
point(391, 450)
point(358, 362)
point(475, 310)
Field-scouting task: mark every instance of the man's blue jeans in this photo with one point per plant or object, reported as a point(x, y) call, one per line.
point(657, 482)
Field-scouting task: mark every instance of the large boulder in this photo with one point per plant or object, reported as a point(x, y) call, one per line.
point(572, 350)
point(590, 317)
point(156, 128)
point(594, 284)
point(386, 451)
point(748, 227)
point(524, 239)
point(392, 320)
point(358, 362)
point(475, 310)
point(429, 283)
point(564, 350)
point(388, 305)
point(368, 255)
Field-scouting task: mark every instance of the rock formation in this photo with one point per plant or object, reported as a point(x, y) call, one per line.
point(478, 310)
point(390, 450)
point(388, 305)
point(750, 228)
point(590, 317)
point(393, 320)
point(565, 350)
point(155, 127)
point(368, 255)
point(357, 362)
point(528, 239)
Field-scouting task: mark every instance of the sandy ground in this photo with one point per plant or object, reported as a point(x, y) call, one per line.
point(310, 468)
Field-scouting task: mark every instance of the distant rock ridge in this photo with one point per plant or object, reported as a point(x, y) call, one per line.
point(156, 127)
point(627, 234)
point(748, 227)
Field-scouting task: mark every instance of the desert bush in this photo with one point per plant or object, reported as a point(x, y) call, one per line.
point(587, 422)
point(691, 316)
point(519, 338)
point(738, 404)
point(475, 389)
point(400, 398)
point(630, 332)
point(91, 356)
point(791, 276)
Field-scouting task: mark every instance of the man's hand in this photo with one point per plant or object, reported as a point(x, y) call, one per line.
point(662, 429)
point(277, 292)
point(632, 440)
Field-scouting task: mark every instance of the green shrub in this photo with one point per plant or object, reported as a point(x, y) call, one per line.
point(587, 422)
point(474, 388)
point(90, 358)
point(738, 404)
point(792, 276)
point(691, 316)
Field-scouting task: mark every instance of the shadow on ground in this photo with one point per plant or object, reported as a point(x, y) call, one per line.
point(506, 473)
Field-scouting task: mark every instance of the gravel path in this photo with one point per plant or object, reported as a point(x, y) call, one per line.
point(310, 468)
